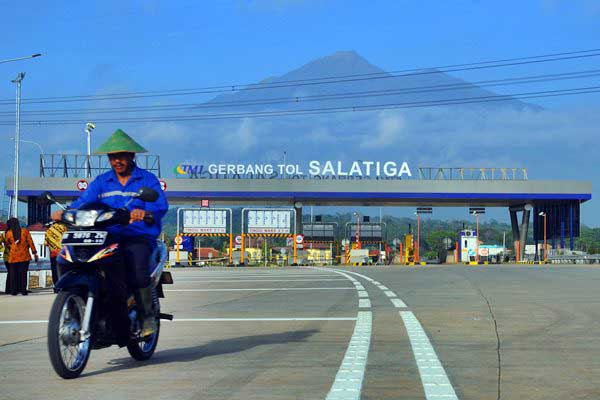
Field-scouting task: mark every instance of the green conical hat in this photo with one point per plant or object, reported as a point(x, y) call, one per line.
point(120, 142)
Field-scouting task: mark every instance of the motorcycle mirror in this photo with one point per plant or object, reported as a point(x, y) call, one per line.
point(147, 194)
point(49, 196)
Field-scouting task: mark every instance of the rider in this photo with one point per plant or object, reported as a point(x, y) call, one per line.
point(137, 239)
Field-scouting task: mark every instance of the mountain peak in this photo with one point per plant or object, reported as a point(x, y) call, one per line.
point(340, 63)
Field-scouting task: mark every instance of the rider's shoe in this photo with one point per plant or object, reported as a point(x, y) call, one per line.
point(148, 319)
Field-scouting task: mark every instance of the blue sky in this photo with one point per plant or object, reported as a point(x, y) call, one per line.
point(116, 46)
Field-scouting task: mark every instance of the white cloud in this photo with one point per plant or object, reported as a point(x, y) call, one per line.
point(243, 139)
point(390, 125)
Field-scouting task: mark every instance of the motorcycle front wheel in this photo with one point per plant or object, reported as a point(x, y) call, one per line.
point(68, 354)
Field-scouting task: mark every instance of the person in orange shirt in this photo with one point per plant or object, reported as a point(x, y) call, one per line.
point(7, 288)
point(20, 243)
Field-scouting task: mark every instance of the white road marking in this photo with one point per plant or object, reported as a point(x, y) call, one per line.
point(433, 376)
point(41, 321)
point(398, 303)
point(263, 319)
point(359, 287)
point(348, 381)
point(33, 321)
point(241, 276)
point(254, 280)
point(258, 289)
point(364, 303)
point(363, 294)
point(436, 384)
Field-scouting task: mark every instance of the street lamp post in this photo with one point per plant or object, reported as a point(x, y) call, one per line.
point(89, 127)
point(543, 214)
point(17, 80)
point(15, 204)
point(20, 58)
point(41, 152)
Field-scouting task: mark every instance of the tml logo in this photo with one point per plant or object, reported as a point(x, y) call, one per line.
point(193, 171)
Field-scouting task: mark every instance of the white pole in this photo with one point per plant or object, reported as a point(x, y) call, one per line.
point(15, 203)
point(284, 160)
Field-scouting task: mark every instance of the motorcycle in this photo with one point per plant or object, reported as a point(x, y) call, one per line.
point(80, 318)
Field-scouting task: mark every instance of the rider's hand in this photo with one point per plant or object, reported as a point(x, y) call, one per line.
point(57, 215)
point(137, 215)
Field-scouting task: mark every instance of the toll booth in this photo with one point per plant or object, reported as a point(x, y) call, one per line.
point(319, 241)
point(467, 245)
point(363, 235)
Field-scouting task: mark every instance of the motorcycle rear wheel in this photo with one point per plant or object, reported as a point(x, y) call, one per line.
point(68, 355)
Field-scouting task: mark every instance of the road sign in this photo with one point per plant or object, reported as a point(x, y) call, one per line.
point(163, 185)
point(424, 210)
point(476, 210)
point(289, 241)
point(299, 239)
point(205, 221)
point(238, 239)
point(269, 221)
point(205, 203)
point(178, 240)
point(82, 184)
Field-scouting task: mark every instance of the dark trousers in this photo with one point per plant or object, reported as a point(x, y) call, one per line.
point(7, 288)
point(54, 269)
point(18, 275)
point(116, 277)
point(136, 253)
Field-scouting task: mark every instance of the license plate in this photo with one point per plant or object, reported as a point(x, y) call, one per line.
point(84, 238)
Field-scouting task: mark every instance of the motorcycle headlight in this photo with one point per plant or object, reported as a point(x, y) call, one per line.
point(86, 218)
point(105, 216)
point(69, 216)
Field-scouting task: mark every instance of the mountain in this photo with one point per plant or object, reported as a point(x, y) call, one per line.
point(346, 72)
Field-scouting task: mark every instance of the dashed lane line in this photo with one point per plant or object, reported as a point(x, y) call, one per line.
point(434, 379)
point(398, 303)
point(349, 379)
point(433, 376)
point(362, 294)
point(364, 303)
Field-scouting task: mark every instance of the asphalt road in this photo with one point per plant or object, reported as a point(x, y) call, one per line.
point(484, 332)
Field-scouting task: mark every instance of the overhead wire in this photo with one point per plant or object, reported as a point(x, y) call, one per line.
point(322, 97)
point(319, 80)
point(328, 110)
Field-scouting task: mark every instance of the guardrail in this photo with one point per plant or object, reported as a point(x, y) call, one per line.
point(78, 165)
point(473, 173)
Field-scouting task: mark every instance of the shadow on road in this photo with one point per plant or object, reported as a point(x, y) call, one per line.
point(214, 348)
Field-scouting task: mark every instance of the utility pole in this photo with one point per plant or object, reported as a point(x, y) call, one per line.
point(15, 203)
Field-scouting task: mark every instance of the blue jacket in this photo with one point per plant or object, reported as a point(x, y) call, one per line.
point(107, 189)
